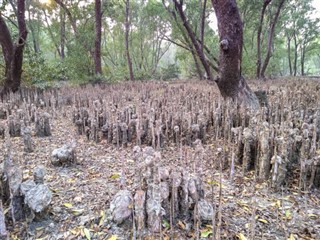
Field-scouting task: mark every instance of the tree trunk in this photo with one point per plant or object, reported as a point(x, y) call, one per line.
point(231, 83)
point(270, 39)
point(62, 33)
point(35, 43)
point(263, 11)
point(71, 19)
point(193, 38)
point(53, 39)
point(289, 53)
point(302, 59)
point(295, 63)
point(97, 52)
point(127, 29)
point(13, 52)
point(202, 24)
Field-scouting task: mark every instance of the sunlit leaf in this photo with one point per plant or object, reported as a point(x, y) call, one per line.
point(181, 225)
point(206, 233)
point(77, 212)
point(263, 220)
point(115, 176)
point(288, 214)
point(291, 237)
point(312, 215)
point(87, 233)
point(241, 236)
point(113, 237)
point(102, 218)
point(68, 205)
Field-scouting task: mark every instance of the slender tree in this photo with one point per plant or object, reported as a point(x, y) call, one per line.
point(272, 29)
point(193, 38)
point(127, 31)
point(97, 49)
point(262, 14)
point(13, 51)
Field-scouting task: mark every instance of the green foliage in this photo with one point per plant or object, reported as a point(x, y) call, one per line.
point(150, 26)
point(39, 72)
point(170, 72)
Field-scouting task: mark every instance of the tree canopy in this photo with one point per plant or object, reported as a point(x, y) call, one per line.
point(281, 38)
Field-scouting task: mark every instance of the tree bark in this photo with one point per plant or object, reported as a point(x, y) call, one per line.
point(231, 84)
point(71, 19)
point(202, 25)
point(35, 42)
point(302, 59)
point(127, 29)
point(13, 52)
point(270, 39)
point(295, 63)
point(289, 53)
point(97, 52)
point(263, 11)
point(62, 33)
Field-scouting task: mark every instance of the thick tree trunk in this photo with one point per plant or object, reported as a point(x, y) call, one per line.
point(97, 52)
point(127, 29)
point(263, 11)
point(270, 39)
point(231, 83)
point(13, 52)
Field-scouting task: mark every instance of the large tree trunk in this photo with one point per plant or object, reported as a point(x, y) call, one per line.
point(231, 83)
point(13, 52)
point(127, 29)
point(97, 50)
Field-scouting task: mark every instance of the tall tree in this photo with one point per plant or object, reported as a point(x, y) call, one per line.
point(127, 31)
point(97, 48)
point(230, 82)
point(13, 51)
point(193, 38)
point(262, 14)
point(271, 35)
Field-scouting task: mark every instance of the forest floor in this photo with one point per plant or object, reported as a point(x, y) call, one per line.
point(82, 193)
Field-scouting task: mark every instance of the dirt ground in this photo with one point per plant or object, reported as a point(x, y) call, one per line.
point(82, 193)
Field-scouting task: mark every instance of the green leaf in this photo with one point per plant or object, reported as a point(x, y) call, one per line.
point(165, 224)
point(206, 233)
point(115, 176)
